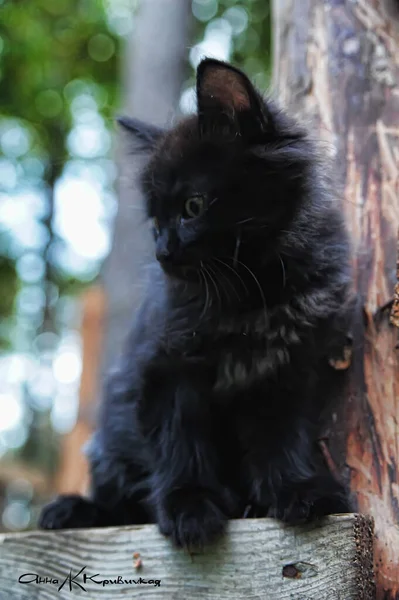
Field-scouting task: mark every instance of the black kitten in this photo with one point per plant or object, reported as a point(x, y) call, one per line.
point(216, 406)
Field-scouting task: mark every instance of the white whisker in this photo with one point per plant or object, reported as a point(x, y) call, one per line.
point(231, 284)
point(206, 302)
point(283, 269)
point(216, 287)
point(235, 273)
point(256, 281)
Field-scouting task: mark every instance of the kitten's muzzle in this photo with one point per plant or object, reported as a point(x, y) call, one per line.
point(174, 267)
point(172, 259)
point(164, 256)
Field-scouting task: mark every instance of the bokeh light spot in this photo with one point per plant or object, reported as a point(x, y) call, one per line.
point(16, 516)
point(14, 140)
point(101, 47)
point(87, 141)
point(204, 10)
point(237, 16)
point(49, 103)
point(67, 367)
point(8, 174)
point(11, 411)
point(30, 267)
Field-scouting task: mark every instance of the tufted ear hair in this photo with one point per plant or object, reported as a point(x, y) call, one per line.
point(147, 135)
point(228, 103)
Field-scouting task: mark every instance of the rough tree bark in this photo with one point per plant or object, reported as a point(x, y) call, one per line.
point(337, 65)
point(395, 306)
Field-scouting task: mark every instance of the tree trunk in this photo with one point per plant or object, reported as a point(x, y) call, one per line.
point(395, 306)
point(337, 64)
point(73, 472)
point(153, 75)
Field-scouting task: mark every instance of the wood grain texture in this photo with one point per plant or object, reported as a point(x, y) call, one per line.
point(260, 559)
point(337, 68)
point(395, 307)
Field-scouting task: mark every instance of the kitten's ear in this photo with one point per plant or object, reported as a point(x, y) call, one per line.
point(146, 134)
point(228, 102)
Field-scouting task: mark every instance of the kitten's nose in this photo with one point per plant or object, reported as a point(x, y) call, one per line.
point(167, 247)
point(164, 248)
point(163, 255)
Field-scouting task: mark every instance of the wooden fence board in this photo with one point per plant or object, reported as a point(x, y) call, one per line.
point(258, 559)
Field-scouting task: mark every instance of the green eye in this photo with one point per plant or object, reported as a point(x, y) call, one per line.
point(194, 207)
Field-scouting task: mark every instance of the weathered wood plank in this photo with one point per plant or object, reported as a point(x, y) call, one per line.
point(259, 559)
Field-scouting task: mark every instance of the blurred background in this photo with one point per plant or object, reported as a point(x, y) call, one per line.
point(72, 239)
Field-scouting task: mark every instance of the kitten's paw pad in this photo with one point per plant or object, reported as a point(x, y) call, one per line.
point(68, 512)
point(191, 519)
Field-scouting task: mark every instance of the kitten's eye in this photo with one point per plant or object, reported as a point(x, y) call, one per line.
point(194, 207)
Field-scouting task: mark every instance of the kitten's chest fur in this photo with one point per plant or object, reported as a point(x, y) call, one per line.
point(244, 366)
point(240, 352)
point(255, 356)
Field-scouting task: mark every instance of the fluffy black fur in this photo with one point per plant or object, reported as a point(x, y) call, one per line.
point(216, 405)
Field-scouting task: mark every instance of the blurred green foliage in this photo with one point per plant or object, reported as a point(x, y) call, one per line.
point(251, 28)
point(51, 53)
point(9, 286)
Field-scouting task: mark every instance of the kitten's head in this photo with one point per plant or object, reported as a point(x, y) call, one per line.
point(223, 183)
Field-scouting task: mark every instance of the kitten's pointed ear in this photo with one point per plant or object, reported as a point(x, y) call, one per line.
point(228, 101)
point(146, 134)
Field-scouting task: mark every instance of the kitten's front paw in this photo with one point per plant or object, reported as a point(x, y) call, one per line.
point(311, 501)
point(190, 518)
point(294, 511)
point(68, 512)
